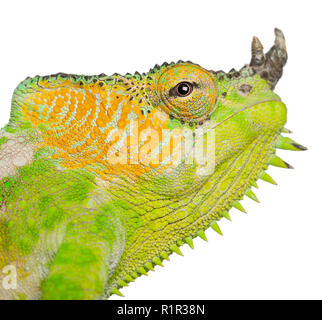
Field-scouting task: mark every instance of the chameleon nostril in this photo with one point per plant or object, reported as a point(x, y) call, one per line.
point(244, 89)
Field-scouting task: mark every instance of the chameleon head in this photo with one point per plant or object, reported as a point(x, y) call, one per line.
point(224, 112)
point(171, 122)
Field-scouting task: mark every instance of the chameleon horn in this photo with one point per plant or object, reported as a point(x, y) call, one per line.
point(258, 56)
point(270, 65)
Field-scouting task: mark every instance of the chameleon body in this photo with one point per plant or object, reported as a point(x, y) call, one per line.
point(94, 187)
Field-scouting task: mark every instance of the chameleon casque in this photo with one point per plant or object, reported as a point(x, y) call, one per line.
point(94, 187)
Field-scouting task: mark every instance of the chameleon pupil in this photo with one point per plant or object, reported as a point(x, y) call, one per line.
point(184, 89)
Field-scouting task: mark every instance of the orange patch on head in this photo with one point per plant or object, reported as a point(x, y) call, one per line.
point(81, 116)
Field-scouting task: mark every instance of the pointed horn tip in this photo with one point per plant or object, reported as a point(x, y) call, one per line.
point(280, 39)
point(278, 32)
point(256, 43)
point(258, 57)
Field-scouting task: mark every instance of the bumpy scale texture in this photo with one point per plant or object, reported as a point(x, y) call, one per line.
point(94, 191)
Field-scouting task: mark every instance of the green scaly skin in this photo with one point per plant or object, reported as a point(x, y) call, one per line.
point(78, 230)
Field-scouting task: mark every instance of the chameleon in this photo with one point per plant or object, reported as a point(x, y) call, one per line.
point(104, 177)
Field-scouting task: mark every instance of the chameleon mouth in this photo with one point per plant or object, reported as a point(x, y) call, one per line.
point(215, 125)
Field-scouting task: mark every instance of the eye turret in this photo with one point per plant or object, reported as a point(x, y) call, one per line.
point(186, 92)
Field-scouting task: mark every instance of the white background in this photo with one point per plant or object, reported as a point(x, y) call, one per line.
point(272, 252)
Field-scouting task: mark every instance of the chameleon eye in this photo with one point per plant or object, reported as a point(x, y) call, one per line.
point(183, 89)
